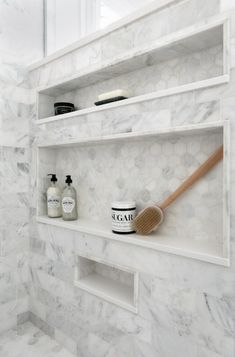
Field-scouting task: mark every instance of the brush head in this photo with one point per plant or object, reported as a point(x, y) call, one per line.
point(148, 220)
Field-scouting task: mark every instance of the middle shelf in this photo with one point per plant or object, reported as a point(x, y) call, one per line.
point(104, 169)
point(186, 247)
point(207, 83)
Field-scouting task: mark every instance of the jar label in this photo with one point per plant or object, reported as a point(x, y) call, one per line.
point(53, 201)
point(68, 204)
point(122, 221)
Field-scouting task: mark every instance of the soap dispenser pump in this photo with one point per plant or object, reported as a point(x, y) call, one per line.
point(69, 201)
point(53, 198)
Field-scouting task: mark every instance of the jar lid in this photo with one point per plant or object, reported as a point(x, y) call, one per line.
point(123, 204)
point(63, 104)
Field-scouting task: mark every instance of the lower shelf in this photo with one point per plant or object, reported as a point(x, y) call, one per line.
point(200, 250)
point(117, 285)
point(108, 289)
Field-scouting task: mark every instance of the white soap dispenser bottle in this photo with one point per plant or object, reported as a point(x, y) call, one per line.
point(53, 198)
point(69, 201)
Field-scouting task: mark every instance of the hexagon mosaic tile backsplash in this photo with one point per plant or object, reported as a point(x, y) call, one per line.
point(147, 171)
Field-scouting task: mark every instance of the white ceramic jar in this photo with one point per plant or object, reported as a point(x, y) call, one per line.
point(123, 214)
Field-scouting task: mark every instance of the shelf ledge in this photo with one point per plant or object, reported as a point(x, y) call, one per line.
point(139, 99)
point(108, 289)
point(174, 130)
point(207, 252)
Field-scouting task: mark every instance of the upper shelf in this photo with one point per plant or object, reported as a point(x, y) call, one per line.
point(122, 68)
point(181, 43)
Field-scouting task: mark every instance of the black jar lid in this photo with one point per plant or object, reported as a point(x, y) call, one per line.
point(63, 104)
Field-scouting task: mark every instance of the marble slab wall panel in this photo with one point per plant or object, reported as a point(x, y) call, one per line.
point(14, 239)
point(179, 299)
point(18, 47)
point(14, 196)
point(185, 306)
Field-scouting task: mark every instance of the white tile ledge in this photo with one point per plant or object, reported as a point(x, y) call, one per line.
point(138, 99)
point(114, 291)
point(108, 289)
point(181, 129)
point(206, 251)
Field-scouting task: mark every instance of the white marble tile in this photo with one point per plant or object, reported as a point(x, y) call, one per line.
point(27, 340)
point(185, 306)
point(15, 113)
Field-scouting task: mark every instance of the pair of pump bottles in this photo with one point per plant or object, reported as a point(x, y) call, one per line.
point(62, 204)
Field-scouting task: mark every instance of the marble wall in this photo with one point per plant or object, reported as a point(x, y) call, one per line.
point(14, 200)
point(184, 305)
point(18, 47)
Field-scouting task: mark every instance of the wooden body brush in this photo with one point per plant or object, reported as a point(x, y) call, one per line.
point(151, 217)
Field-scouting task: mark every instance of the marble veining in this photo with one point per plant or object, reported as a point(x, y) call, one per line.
point(27, 340)
point(185, 306)
point(17, 48)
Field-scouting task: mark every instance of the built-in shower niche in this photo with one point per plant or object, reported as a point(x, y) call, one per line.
point(179, 62)
point(117, 285)
point(104, 170)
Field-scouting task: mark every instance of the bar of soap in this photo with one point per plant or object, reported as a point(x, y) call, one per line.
point(113, 94)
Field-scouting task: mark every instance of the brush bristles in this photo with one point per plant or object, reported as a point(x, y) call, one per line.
point(148, 220)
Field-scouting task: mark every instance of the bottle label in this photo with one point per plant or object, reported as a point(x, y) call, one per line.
point(68, 204)
point(53, 202)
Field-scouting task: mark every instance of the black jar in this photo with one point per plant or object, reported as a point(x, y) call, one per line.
point(63, 107)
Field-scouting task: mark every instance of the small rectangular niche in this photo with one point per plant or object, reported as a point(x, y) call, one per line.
point(112, 283)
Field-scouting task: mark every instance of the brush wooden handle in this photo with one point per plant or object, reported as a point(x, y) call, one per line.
point(201, 171)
